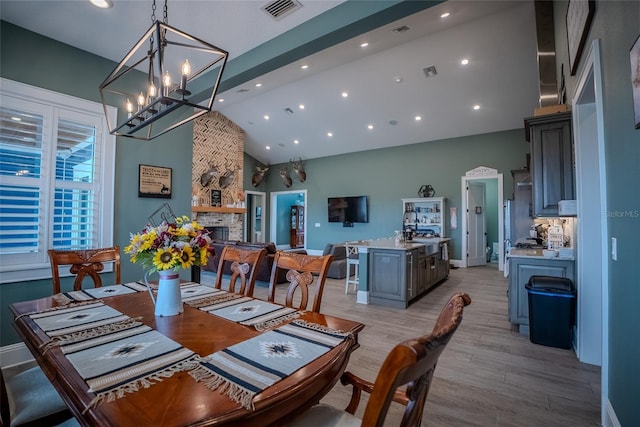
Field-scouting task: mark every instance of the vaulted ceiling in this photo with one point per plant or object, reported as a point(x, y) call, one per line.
point(410, 68)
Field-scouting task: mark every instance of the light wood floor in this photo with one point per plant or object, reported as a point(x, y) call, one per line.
point(489, 375)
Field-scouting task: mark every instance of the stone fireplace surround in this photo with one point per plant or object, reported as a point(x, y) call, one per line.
point(218, 142)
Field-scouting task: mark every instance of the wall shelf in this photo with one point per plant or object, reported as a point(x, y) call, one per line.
point(221, 210)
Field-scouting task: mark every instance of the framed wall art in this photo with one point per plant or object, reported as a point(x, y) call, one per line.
point(634, 55)
point(579, 16)
point(154, 181)
point(216, 198)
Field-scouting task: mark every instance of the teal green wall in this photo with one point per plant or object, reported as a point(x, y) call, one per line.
point(388, 175)
point(617, 25)
point(32, 59)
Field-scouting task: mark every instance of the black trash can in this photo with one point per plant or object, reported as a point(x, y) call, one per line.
point(552, 310)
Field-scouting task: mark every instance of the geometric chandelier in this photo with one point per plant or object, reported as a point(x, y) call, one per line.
point(167, 79)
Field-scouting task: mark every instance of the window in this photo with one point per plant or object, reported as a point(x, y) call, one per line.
point(57, 163)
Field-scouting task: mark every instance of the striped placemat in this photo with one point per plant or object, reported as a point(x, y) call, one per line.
point(97, 293)
point(253, 312)
point(197, 292)
point(245, 369)
point(112, 352)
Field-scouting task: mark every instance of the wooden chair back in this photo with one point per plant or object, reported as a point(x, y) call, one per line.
point(84, 263)
point(302, 269)
point(412, 363)
point(243, 266)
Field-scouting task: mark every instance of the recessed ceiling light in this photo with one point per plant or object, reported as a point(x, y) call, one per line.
point(418, 118)
point(258, 84)
point(329, 134)
point(445, 15)
point(465, 61)
point(345, 94)
point(268, 147)
point(365, 44)
point(304, 67)
point(301, 106)
point(295, 141)
point(221, 100)
point(397, 79)
point(369, 127)
point(476, 107)
point(266, 117)
point(102, 4)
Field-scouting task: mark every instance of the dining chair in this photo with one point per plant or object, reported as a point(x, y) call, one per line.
point(243, 264)
point(352, 260)
point(303, 270)
point(27, 398)
point(84, 263)
point(411, 363)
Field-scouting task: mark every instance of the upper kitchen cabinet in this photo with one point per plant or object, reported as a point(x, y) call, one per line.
point(552, 168)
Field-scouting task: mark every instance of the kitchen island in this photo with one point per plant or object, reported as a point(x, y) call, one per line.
point(524, 263)
point(395, 274)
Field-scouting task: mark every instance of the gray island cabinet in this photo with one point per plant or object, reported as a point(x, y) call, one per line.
point(400, 273)
point(524, 263)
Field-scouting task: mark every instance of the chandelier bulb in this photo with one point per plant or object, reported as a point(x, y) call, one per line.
point(140, 100)
point(166, 83)
point(186, 70)
point(152, 91)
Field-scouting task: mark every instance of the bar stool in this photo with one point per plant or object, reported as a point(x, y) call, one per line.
point(352, 260)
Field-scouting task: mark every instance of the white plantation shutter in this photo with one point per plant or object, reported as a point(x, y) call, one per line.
point(21, 179)
point(56, 178)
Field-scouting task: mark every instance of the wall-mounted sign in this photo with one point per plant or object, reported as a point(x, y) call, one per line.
point(216, 198)
point(154, 181)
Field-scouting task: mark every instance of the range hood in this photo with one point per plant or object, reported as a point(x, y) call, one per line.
point(546, 53)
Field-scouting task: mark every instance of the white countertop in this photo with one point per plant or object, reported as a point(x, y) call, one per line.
point(403, 246)
point(535, 253)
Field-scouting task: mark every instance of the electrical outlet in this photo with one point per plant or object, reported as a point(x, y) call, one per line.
point(317, 224)
point(614, 249)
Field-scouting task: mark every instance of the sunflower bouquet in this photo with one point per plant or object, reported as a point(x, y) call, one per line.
point(170, 246)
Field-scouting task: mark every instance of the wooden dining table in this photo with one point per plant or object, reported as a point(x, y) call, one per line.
point(180, 400)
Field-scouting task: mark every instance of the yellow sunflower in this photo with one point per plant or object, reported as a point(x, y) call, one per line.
point(163, 259)
point(187, 257)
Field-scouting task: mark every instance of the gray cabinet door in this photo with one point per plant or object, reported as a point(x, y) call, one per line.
point(388, 275)
point(552, 161)
point(520, 270)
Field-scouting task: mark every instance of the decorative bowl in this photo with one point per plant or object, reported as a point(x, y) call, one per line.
point(550, 253)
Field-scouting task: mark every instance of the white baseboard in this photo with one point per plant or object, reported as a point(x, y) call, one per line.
point(609, 417)
point(14, 354)
point(456, 262)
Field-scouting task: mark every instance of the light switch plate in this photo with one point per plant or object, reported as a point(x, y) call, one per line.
point(614, 249)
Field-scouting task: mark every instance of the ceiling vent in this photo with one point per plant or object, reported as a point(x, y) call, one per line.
point(430, 71)
point(402, 29)
point(278, 9)
point(242, 90)
point(288, 110)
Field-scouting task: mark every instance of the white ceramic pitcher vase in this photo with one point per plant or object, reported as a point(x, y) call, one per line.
point(169, 300)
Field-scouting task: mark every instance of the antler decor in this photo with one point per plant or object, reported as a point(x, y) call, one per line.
point(284, 174)
point(258, 175)
point(298, 169)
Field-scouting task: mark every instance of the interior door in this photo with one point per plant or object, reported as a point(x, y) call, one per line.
point(476, 232)
point(253, 218)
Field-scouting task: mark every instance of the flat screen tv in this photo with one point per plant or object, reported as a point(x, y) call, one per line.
point(348, 209)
